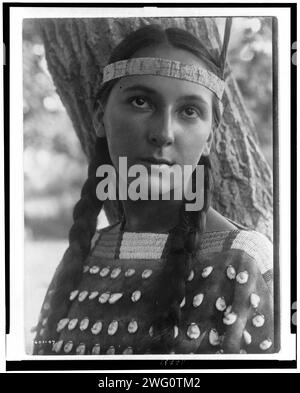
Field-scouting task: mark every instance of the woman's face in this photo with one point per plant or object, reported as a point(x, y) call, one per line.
point(152, 119)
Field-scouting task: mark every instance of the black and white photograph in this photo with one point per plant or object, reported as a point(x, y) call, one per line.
point(151, 191)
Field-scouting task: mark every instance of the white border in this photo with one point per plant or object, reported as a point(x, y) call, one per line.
point(15, 340)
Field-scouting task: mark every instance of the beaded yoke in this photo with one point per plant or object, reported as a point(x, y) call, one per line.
point(228, 307)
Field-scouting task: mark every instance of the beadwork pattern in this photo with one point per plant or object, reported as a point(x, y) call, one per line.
point(142, 245)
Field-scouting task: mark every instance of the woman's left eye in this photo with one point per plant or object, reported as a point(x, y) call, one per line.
point(190, 112)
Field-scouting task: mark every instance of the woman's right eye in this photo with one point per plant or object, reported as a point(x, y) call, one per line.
point(140, 102)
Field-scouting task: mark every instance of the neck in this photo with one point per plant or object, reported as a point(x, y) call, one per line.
point(151, 216)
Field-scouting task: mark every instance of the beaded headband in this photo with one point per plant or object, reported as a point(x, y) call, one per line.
point(173, 68)
point(164, 67)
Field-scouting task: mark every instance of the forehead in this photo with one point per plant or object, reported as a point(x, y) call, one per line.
point(170, 89)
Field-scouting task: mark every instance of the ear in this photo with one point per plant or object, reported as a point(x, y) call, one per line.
point(98, 121)
point(208, 144)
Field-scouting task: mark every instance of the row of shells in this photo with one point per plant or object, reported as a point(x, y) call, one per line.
point(115, 272)
point(81, 348)
point(105, 297)
point(112, 298)
point(241, 277)
point(193, 332)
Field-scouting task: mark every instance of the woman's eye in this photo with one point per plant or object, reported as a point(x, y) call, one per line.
point(140, 102)
point(191, 113)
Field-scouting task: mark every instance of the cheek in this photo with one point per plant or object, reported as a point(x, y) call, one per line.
point(192, 146)
point(123, 134)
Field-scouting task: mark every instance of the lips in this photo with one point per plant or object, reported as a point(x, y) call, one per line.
point(156, 161)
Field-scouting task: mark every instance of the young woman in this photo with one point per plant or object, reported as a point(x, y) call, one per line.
point(165, 279)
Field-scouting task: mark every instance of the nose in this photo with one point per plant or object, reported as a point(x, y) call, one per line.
point(161, 131)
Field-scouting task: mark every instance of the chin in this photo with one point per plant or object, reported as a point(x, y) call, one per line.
point(164, 189)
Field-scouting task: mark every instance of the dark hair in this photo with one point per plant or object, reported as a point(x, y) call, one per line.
point(183, 240)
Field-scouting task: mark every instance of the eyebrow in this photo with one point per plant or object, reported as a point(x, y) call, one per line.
point(149, 90)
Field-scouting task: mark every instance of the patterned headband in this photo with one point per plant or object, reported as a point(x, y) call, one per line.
point(173, 69)
point(167, 68)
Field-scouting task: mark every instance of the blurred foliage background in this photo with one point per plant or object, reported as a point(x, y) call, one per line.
point(54, 164)
point(55, 167)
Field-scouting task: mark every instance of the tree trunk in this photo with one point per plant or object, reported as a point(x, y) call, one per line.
point(76, 52)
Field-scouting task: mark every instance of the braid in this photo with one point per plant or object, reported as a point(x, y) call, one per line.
point(69, 271)
point(183, 243)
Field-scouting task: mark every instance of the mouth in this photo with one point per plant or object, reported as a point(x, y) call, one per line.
point(156, 161)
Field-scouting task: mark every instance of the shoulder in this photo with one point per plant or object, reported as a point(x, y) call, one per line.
point(257, 246)
point(215, 221)
point(236, 237)
point(244, 249)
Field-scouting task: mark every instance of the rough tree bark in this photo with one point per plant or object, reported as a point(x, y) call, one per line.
point(76, 52)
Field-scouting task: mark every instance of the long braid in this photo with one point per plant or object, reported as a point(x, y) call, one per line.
point(69, 271)
point(184, 241)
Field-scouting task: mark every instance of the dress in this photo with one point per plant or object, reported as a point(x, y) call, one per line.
point(228, 307)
